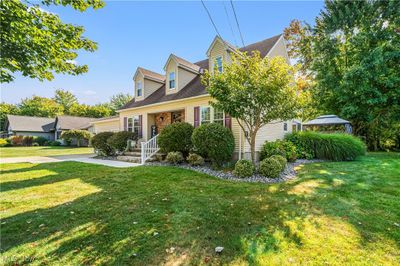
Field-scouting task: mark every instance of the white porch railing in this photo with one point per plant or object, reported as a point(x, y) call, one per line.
point(149, 148)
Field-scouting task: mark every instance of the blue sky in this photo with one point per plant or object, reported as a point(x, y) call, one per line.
point(143, 33)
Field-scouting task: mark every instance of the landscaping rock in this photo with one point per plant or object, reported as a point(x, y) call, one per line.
point(219, 249)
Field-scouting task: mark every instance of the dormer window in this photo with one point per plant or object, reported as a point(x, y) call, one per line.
point(139, 89)
point(218, 62)
point(172, 80)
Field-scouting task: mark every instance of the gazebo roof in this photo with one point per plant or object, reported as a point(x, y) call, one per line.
point(326, 120)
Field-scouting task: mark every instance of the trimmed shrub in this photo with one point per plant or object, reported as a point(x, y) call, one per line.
point(77, 134)
point(27, 140)
point(244, 168)
point(118, 141)
point(214, 142)
point(270, 167)
point(176, 137)
point(17, 140)
point(282, 160)
point(334, 147)
point(35, 144)
point(279, 147)
point(195, 159)
point(174, 157)
point(3, 142)
point(41, 140)
point(99, 143)
point(54, 143)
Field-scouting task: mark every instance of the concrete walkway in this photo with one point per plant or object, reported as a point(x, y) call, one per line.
point(83, 158)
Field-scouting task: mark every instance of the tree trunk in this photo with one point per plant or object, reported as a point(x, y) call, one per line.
point(253, 147)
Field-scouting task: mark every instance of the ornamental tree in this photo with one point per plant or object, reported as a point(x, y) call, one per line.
point(36, 43)
point(255, 91)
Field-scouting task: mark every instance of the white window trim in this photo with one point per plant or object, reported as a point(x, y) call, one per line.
point(216, 63)
point(137, 89)
point(169, 80)
point(132, 129)
point(211, 115)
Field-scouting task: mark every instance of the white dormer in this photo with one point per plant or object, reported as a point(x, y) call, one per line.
point(146, 82)
point(179, 73)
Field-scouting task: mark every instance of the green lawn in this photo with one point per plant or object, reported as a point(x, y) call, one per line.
point(74, 213)
point(42, 151)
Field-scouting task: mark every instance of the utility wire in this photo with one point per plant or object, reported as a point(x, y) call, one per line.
point(237, 22)
point(229, 22)
point(212, 21)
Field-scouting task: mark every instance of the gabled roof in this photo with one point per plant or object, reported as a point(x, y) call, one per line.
point(150, 75)
point(229, 46)
point(29, 123)
point(66, 122)
point(195, 87)
point(183, 63)
point(326, 120)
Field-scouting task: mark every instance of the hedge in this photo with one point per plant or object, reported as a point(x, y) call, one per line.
point(279, 147)
point(334, 147)
point(99, 143)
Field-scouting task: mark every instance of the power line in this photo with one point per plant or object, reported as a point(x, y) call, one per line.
point(212, 21)
point(229, 22)
point(237, 22)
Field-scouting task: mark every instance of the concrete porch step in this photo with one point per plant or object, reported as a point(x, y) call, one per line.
point(132, 159)
point(133, 153)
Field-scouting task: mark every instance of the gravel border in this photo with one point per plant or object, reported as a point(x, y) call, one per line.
point(287, 174)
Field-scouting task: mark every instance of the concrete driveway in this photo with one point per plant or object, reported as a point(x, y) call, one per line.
point(83, 158)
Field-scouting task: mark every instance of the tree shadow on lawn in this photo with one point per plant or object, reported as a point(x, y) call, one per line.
point(140, 212)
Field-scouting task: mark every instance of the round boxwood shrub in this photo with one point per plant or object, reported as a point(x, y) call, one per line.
point(270, 167)
point(174, 157)
point(244, 168)
point(118, 141)
point(176, 137)
point(214, 142)
point(282, 160)
point(41, 140)
point(99, 143)
point(195, 159)
point(279, 147)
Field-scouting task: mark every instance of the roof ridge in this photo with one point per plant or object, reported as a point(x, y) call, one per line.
point(31, 116)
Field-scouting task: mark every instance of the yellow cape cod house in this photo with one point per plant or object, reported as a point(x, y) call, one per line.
point(178, 95)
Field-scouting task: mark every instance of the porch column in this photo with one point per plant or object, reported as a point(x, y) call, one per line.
point(145, 131)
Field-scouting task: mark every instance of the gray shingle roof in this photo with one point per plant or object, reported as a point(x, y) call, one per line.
point(326, 120)
point(30, 123)
point(66, 122)
point(151, 74)
point(195, 87)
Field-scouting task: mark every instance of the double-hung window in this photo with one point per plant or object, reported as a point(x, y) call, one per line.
point(218, 63)
point(211, 115)
point(172, 80)
point(139, 89)
point(133, 124)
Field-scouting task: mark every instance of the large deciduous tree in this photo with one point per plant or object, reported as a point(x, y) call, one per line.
point(254, 90)
point(37, 43)
point(65, 98)
point(7, 109)
point(355, 63)
point(40, 106)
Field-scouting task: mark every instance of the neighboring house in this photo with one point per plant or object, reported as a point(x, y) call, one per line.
point(65, 122)
point(17, 125)
point(50, 128)
point(179, 95)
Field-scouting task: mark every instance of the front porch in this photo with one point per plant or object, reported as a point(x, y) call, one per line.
point(156, 122)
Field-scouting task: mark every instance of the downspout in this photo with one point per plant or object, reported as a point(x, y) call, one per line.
point(240, 143)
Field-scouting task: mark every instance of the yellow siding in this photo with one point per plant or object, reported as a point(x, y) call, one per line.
point(102, 126)
point(219, 49)
point(150, 86)
point(184, 77)
point(279, 50)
